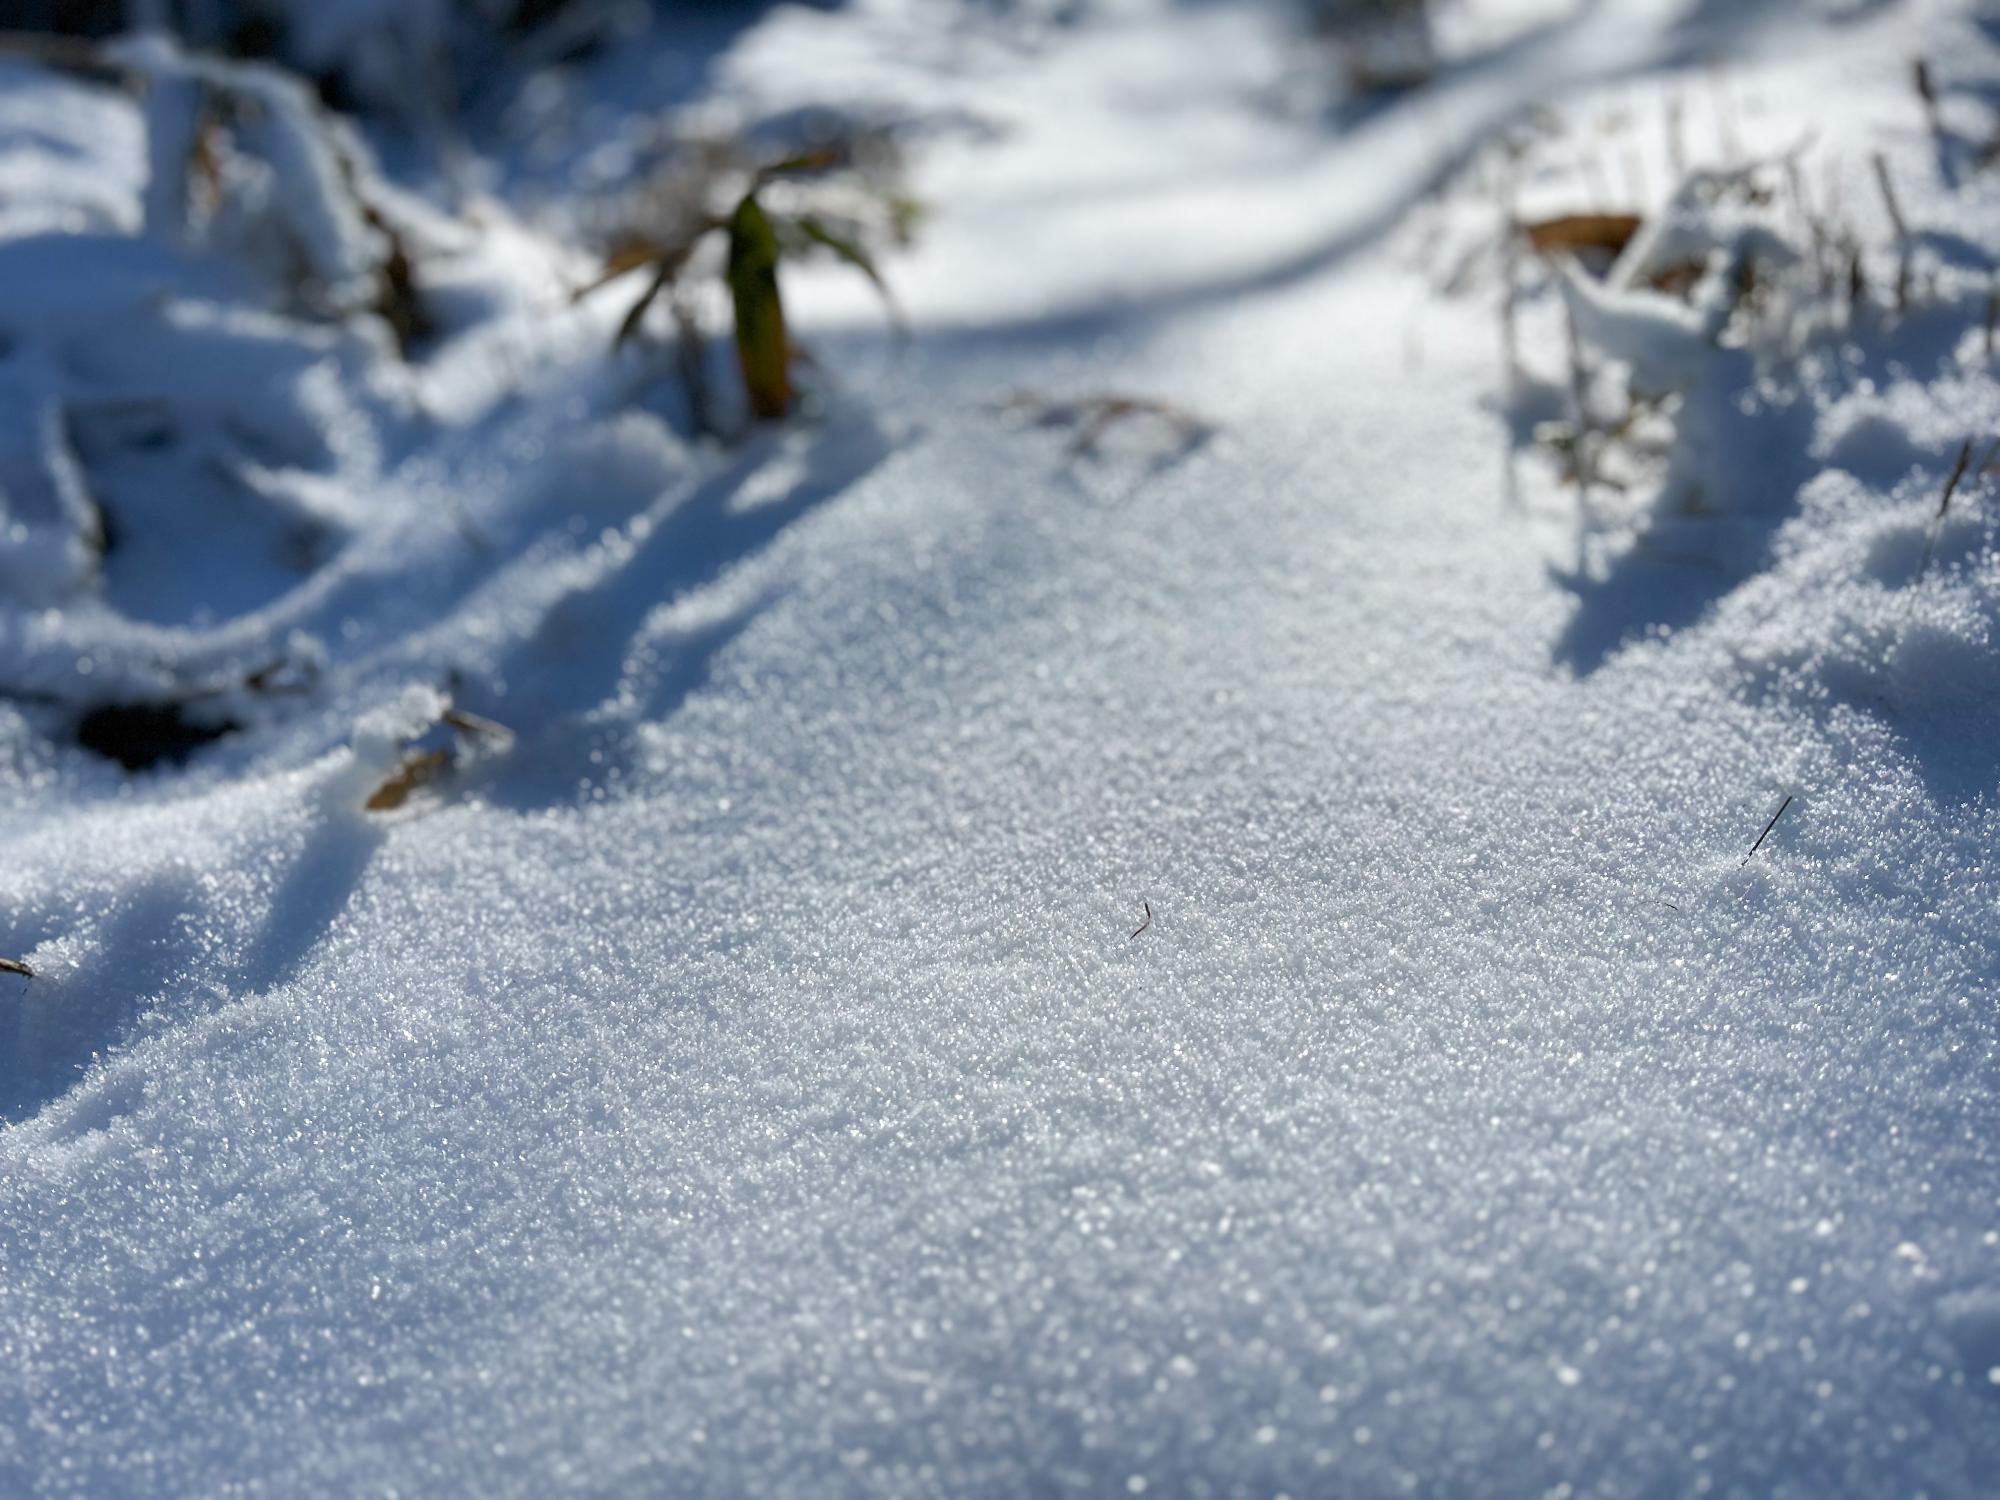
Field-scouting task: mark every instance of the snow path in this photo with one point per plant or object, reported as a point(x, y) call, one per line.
point(790, 1113)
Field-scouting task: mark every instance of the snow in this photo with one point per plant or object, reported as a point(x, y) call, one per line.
point(740, 1077)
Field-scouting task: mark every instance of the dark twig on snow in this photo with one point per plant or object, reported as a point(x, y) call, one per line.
point(1795, 180)
point(1579, 395)
point(1767, 832)
point(15, 966)
point(1902, 231)
point(1944, 501)
point(1927, 91)
point(1145, 924)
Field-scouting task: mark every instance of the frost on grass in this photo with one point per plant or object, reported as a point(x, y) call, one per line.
point(1751, 395)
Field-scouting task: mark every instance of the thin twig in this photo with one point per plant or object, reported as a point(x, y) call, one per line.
point(1902, 231)
point(1766, 833)
point(1927, 91)
point(1944, 501)
point(1510, 276)
point(1579, 394)
point(1795, 180)
point(15, 966)
point(1145, 924)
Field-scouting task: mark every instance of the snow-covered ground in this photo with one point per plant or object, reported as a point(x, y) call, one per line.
point(739, 1075)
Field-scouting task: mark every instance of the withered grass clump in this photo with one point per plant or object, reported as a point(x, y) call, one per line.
point(833, 199)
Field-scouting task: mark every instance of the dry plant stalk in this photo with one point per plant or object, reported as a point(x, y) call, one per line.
point(1944, 501)
point(15, 966)
point(1927, 91)
point(757, 242)
point(1902, 231)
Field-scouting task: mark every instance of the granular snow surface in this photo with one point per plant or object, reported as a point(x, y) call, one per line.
point(746, 1080)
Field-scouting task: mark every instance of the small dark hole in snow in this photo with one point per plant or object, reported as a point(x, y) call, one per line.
point(140, 735)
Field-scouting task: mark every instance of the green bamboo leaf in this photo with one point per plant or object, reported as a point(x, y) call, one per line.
point(761, 347)
point(848, 249)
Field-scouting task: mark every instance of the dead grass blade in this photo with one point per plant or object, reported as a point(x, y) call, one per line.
point(1944, 501)
point(419, 768)
point(848, 249)
point(629, 324)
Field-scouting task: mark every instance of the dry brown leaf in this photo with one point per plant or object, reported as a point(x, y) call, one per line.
point(1607, 232)
point(418, 768)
